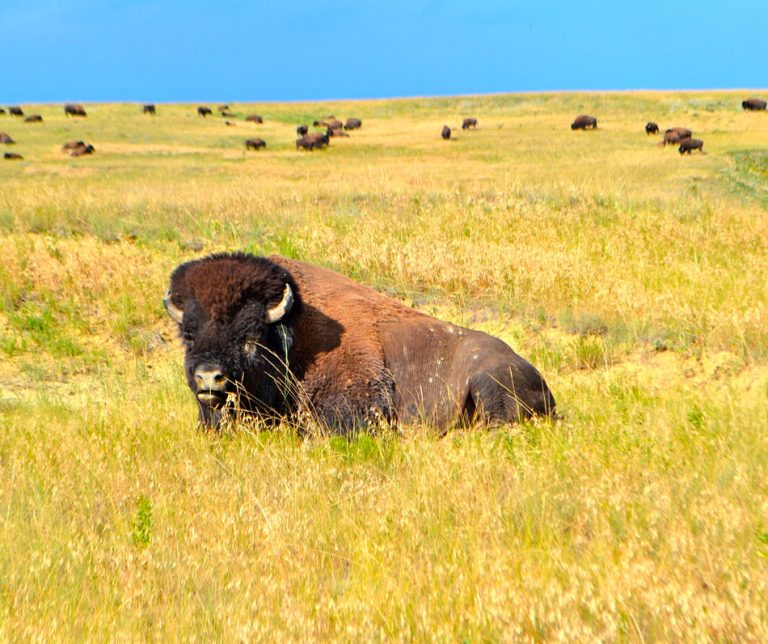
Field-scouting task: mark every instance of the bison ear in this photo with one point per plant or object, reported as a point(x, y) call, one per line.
point(279, 311)
point(177, 315)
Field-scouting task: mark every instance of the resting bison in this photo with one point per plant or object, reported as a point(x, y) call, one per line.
point(71, 109)
point(149, 108)
point(651, 128)
point(71, 145)
point(275, 337)
point(584, 122)
point(312, 141)
point(15, 111)
point(683, 132)
point(353, 124)
point(302, 130)
point(79, 152)
point(6, 138)
point(204, 111)
point(254, 118)
point(754, 104)
point(446, 132)
point(12, 156)
point(255, 144)
point(687, 145)
point(34, 118)
point(468, 123)
point(335, 132)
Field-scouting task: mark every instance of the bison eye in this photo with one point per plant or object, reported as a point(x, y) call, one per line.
point(251, 346)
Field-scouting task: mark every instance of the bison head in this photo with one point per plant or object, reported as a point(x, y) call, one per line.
point(233, 313)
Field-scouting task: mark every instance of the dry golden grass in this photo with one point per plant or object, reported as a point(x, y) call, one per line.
point(635, 279)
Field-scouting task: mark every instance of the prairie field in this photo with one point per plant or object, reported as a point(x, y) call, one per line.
point(635, 279)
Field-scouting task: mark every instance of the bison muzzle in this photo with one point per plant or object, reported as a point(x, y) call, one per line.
point(277, 338)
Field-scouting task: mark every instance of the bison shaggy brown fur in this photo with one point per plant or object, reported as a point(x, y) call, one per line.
point(275, 338)
point(12, 156)
point(255, 144)
point(149, 108)
point(687, 145)
point(584, 122)
point(254, 118)
point(754, 104)
point(73, 109)
point(651, 128)
point(34, 118)
point(445, 132)
point(204, 111)
point(15, 111)
point(353, 124)
point(312, 141)
point(302, 130)
point(468, 123)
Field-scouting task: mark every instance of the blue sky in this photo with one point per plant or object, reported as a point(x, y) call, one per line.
point(194, 50)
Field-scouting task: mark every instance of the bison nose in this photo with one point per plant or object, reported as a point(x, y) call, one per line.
point(210, 378)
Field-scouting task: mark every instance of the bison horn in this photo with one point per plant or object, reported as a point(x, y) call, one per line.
point(278, 311)
point(177, 315)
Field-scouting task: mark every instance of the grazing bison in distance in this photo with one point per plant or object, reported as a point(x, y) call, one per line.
point(34, 118)
point(683, 132)
point(446, 132)
point(312, 141)
point(688, 145)
point(72, 109)
point(584, 122)
point(255, 144)
point(6, 138)
point(651, 128)
point(353, 124)
point(149, 108)
point(204, 111)
point(15, 111)
point(82, 151)
point(223, 108)
point(754, 104)
point(335, 132)
point(254, 118)
point(468, 123)
point(275, 338)
point(302, 130)
point(71, 145)
point(12, 156)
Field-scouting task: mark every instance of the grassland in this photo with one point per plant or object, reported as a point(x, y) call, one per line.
point(635, 279)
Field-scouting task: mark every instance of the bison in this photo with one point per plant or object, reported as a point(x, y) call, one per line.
point(468, 123)
point(688, 145)
point(353, 124)
point(2, 110)
point(82, 151)
point(446, 132)
point(584, 122)
point(312, 141)
point(754, 104)
point(254, 118)
point(335, 132)
point(204, 111)
point(15, 111)
point(6, 138)
point(12, 156)
point(651, 128)
point(255, 144)
point(72, 109)
point(149, 108)
point(278, 338)
point(223, 108)
point(683, 132)
point(302, 130)
point(228, 114)
point(71, 145)
point(34, 118)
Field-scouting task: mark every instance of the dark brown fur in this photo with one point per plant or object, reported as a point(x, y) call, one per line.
point(584, 122)
point(446, 132)
point(312, 141)
point(255, 144)
point(353, 124)
point(34, 118)
point(15, 111)
point(468, 123)
point(754, 104)
point(149, 108)
point(354, 355)
point(688, 145)
point(301, 130)
point(12, 156)
point(651, 128)
point(204, 111)
point(254, 118)
point(73, 109)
